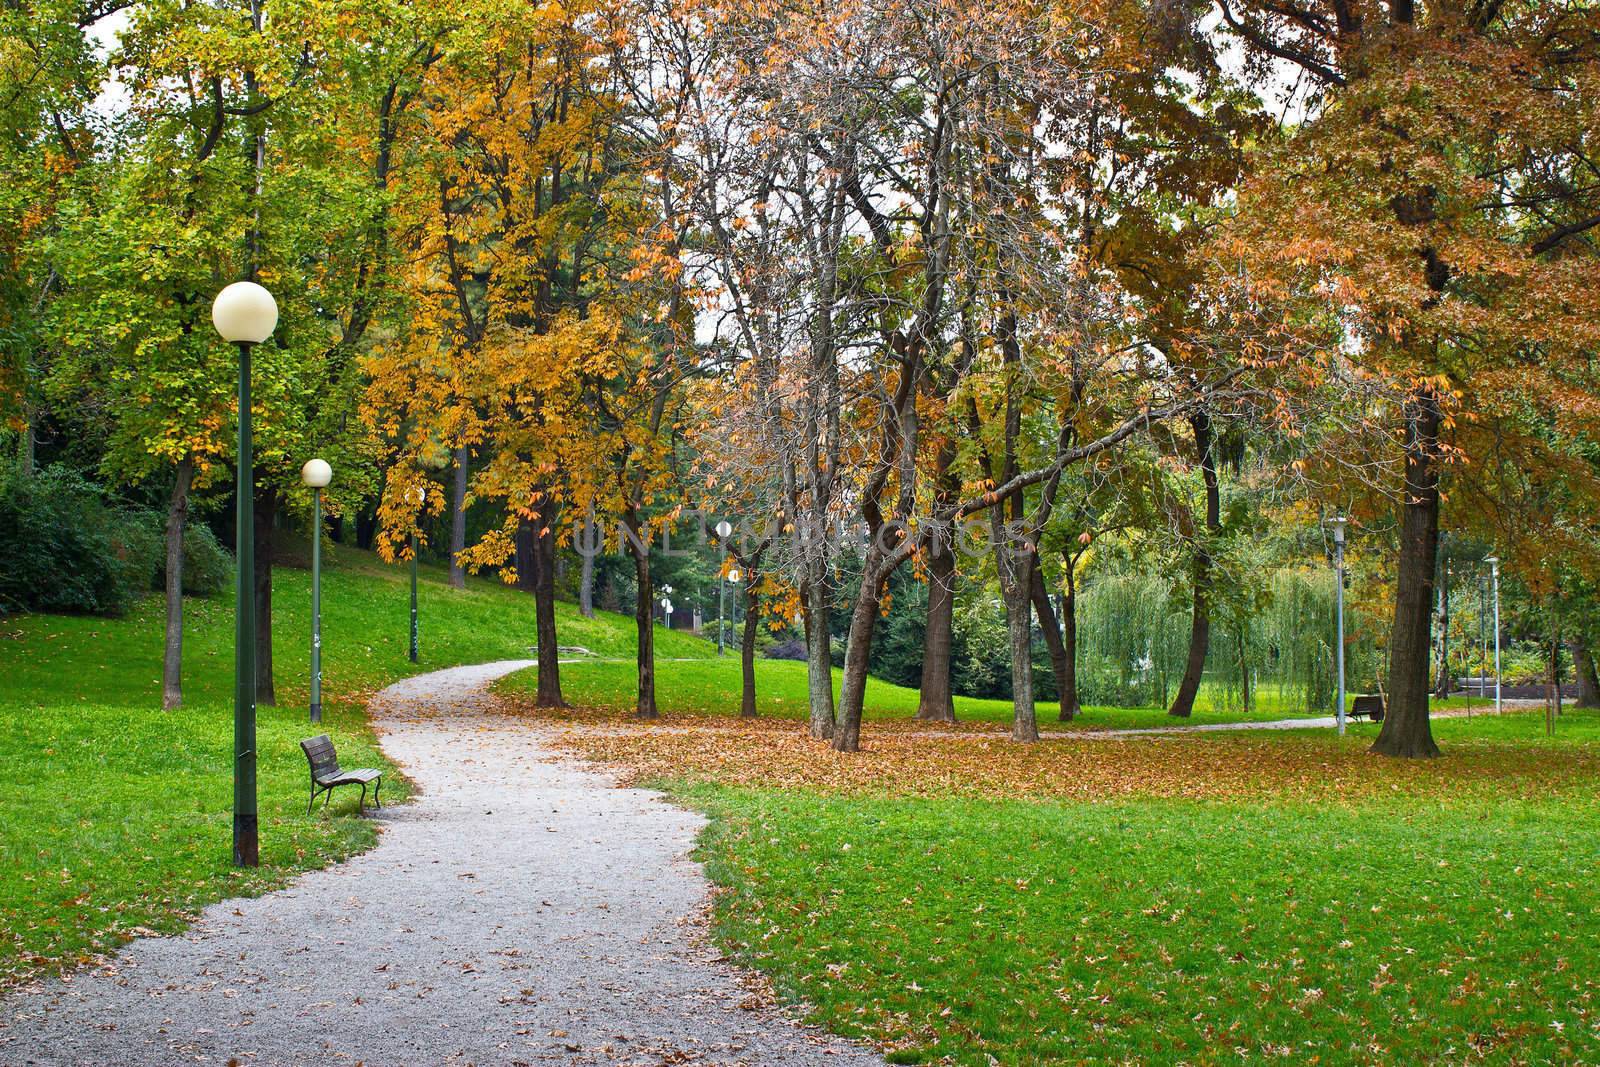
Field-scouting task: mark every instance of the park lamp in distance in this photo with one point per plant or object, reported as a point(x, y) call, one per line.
point(244, 313)
point(724, 529)
point(316, 474)
point(733, 575)
point(1338, 523)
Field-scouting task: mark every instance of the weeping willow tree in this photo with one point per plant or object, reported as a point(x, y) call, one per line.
point(1133, 637)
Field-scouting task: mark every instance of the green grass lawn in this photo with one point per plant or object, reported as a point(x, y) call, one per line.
point(711, 686)
point(117, 814)
point(1170, 931)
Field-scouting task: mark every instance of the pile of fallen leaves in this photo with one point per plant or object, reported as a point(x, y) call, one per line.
point(978, 760)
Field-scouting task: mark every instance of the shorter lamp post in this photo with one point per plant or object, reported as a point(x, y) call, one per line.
point(666, 604)
point(1338, 524)
point(245, 314)
point(724, 530)
point(1494, 579)
point(316, 474)
point(419, 497)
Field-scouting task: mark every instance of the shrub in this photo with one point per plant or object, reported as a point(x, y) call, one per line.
point(64, 548)
point(207, 566)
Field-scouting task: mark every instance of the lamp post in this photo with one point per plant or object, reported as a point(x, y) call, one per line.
point(724, 530)
point(316, 474)
point(1338, 524)
point(419, 497)
point(1494, 579)
point(244, 313)
point(666, 604)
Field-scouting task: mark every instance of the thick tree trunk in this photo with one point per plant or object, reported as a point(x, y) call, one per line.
point(819, 659)
point(544, 611)
point(266, 515)
point(1406, 730)
point(1442, 679)
point(172, 657)
point(644, 624)
point(1583, 667)
point(935, 700)
point(1071, 707)
point(853, 688)
point(1052, 638)
point(747, 648)
point(1200, 623)
point(458, 519)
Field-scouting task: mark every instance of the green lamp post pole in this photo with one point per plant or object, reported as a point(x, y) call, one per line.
point(316, 474)
point(1338, 525)
point(245, 314)
point(419, 496)
point(724, 530)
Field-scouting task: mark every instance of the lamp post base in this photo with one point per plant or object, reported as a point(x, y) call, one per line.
point(246, 841)
point(316, 713)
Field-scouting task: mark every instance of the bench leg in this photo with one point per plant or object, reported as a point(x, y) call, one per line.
point(311, 801)
point(327, 794)
point(361, 805)
point(377, 786)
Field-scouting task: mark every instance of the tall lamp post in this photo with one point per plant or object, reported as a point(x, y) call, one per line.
point(724, 531)
point(1494, 579)
point(666, 604)
point(419, 497)
point(244, 313)
point(316, 474)
point(1338, 524)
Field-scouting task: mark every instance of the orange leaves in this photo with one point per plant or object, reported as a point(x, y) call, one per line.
point(907, 758)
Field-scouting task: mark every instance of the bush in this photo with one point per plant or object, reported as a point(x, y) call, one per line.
point(64, 548)
point(207, 566)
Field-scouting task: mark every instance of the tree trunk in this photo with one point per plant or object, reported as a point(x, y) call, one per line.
point(819, 659)
point(644, 623)
point(853, 688)
point(588, 548)
point(172, 658)
point(1406, 730)
point(544, 611)
point(458, 519)
point(1552, 677)
point(747, 649)
point(1442, 680)
point(1200, 623)
point(1071, 708)
point(1583, 668)
point(1052, 638)
point(266, 515)
point(936, 701)
point(1244, 668)
point(1016, 594)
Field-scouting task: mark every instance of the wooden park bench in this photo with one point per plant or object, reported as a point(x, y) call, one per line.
point(1369, 706)
point(326, 773)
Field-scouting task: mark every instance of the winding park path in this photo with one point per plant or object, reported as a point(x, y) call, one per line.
point(521, 910)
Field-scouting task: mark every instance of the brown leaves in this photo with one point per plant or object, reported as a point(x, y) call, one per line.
point(918, 759)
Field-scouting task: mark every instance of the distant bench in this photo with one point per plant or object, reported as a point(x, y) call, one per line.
point(326, 773)
point(1368, 706)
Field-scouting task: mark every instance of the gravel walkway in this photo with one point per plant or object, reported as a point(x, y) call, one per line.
point(520, 911)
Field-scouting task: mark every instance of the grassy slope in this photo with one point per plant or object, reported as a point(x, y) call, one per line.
point(116, 814)
point(711, 686)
